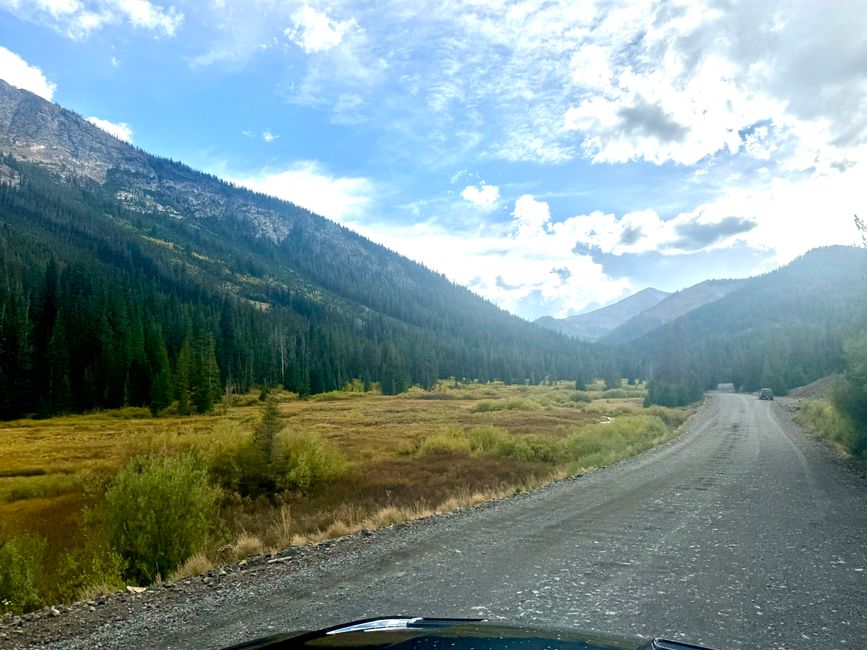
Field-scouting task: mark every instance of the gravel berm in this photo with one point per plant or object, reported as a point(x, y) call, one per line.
point(742, 533)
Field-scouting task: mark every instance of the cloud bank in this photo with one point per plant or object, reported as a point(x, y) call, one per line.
point(17, 72)
point(120, 130)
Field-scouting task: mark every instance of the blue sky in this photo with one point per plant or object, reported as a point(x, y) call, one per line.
point(552, 156)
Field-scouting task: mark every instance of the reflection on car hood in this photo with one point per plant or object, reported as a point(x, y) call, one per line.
point(406, 633)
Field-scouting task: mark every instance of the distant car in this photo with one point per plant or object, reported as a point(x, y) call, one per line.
point(767, 393)
point(402, 633)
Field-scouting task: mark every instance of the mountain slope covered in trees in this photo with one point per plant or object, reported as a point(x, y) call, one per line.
point(126, 279)
point(782, 329)
point(671, 308)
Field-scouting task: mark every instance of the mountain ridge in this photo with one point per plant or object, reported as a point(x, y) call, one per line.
point(782, 329)
point(157, 246)
point(671, 308)
point(598, 323)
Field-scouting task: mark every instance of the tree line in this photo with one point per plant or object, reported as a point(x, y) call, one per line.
point(104, 307)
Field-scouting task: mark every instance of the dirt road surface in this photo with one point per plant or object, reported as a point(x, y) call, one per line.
point(742, 533)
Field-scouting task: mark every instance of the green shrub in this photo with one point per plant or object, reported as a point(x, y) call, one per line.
point(600, 444)
point(672, 417)
point(623, 393)
point(247, 399)
point(494, 441)
point(21, 572)
point(823, 418)
point(42, 486)
point(158, 512)
point(303, 460)
point(447, 441)
point(485, 438)
point(239, 466)
point(85, 568)
point(508, 404)
point(529, 449)
point(129, 413)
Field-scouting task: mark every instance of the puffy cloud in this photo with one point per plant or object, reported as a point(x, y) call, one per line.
point(532, 217)
point(17, 72)
point(484, 197)
point(313, 31)
point(269, 136)
point(120, 130)
point(520, 266)
point(78, 19)
point(308, 184)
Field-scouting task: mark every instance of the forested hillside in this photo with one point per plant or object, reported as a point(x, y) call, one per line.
point(781, 330)
point(670, 309)
point(133, 280)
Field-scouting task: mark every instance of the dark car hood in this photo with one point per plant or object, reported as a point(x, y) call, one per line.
point(402, 633)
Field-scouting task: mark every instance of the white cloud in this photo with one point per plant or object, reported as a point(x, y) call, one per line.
point(144, 14)
point(520, 266)
point(532, 217)
point(677, 81)
point(536, 265)
point(120, 130)
point(78, 19)
point(308, 184)
point(269, 136)
point(484, 197)
point(17, 72)
point(313, 31)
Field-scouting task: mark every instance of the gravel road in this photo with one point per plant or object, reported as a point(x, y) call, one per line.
point(742, 533)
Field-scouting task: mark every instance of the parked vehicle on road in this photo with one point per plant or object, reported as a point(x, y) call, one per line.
point(766, 393)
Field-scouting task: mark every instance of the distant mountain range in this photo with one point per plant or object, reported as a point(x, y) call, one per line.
point(639, 314)
point(671, 308)
point(601, 322)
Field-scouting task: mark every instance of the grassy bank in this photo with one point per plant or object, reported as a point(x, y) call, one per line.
point(317, 468)
point(821, 417)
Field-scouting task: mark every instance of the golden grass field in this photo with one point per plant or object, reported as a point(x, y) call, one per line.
point(407, 455)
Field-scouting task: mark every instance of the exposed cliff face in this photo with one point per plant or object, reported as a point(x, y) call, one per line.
point(37, 131)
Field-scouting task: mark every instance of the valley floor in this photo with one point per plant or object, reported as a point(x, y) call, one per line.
point(741, 533)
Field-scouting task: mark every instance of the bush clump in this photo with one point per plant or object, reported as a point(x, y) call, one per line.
point(600, 444)
point(508, 404)
point(21, 572)
point(159, 512)
point(672, 417)
point(302, 460)
point(822, 417)
point(447, 441)
point(489, 440)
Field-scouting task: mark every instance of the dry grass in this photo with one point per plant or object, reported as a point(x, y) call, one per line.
point(408, 456)
point(102, 589)
point(195, 565)
point(247, 544)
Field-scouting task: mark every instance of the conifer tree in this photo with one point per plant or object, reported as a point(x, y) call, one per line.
point(182, 377)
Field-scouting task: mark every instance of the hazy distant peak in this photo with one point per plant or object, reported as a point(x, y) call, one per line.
point(596, 324)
